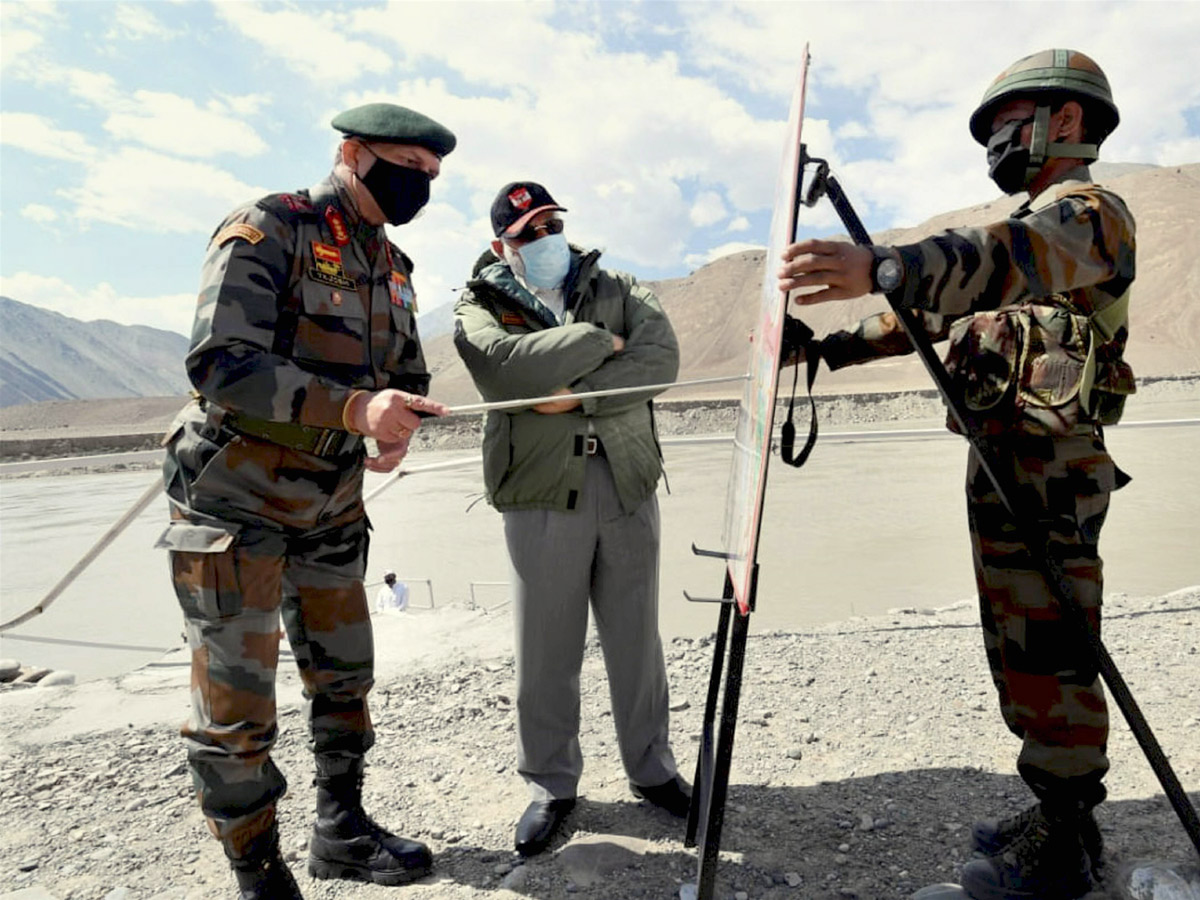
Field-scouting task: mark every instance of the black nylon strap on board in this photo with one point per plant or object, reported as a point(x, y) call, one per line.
point(798, 334)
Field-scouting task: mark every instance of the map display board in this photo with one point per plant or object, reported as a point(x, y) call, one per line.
point(756, 415)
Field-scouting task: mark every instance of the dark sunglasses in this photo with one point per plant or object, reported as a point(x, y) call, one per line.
point(531, 233)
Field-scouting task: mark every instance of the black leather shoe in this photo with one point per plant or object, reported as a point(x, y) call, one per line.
point(539, 822)
point(675, 796)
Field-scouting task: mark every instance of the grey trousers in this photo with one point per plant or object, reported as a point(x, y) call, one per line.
point(560, 560)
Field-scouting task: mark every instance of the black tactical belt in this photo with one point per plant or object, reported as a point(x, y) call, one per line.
point(323, 442)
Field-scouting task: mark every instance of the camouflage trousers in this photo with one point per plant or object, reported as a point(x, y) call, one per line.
point(1049, 688)
point(259, 533)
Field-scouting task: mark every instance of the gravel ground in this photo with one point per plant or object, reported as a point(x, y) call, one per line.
point(864, 751)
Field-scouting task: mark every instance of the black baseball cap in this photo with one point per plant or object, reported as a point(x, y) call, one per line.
point(517, 203)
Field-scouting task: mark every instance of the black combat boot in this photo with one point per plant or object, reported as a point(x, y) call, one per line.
point(346, 843)
point(1045, 861)
point(261, 872)
point(992, 837)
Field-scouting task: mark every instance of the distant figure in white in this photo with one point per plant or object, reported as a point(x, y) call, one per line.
point(393, 596)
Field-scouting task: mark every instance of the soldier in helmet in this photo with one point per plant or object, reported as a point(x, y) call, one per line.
point(304, 344)
point(1035, 309)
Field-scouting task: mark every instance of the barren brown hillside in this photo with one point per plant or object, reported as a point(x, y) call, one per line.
point(714, 308)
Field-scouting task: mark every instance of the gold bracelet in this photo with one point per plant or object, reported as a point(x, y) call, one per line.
point(346, 409)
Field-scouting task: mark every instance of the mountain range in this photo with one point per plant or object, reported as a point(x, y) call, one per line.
point(45, 355)
point(49, 356)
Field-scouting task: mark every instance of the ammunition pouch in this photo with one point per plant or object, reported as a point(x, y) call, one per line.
point(1037, 368)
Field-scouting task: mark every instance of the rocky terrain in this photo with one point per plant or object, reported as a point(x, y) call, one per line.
point(863, 752)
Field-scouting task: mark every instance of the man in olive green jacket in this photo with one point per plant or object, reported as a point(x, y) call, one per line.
point(575, 481)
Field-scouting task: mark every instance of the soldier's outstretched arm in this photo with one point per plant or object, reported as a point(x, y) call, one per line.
point(1083, 239)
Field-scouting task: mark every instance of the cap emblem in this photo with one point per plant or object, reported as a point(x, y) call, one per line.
point(520, 198)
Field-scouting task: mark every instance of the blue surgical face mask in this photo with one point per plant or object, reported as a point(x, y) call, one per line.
point(547, 261)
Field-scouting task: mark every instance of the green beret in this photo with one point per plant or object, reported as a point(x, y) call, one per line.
point(394, 124)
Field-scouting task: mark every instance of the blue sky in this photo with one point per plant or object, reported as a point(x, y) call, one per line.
point(128, 130)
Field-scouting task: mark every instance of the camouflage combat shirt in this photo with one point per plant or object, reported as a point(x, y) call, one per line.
point(1019, 300)
point(301, 302)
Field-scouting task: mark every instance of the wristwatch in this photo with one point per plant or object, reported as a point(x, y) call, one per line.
point(886, 271)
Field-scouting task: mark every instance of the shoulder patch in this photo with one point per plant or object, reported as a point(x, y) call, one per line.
point(286, 206)
point(296, 203)
point(247, 233)
point(511, 318)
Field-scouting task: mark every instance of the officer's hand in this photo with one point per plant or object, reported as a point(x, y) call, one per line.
point(390, 415)
point(391, 454)
point(618, 343)
point(560, 406)
point(841, 270)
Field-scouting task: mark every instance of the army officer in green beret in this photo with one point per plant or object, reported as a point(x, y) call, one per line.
point(304, 344)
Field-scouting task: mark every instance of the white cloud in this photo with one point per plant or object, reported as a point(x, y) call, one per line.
point(135, 22)
point(582, 120)
point(311, 42)
point(738, 223)
point(173, 312)
point(148, 191)
point(851, 130)
point(160, 120)
point(245, 105)
point(707, 209)
point(916, 94)
point(38, 212)
point(176, 124)
point(17, 43)
point(38, 135)
point(22, 25)
point(696, 260)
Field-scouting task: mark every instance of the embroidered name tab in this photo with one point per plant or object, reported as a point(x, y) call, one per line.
point(241, 230)
point(328, 267)
point(509, 318)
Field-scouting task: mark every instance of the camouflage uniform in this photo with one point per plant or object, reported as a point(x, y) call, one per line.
point(300, 303)
point(1034, 308)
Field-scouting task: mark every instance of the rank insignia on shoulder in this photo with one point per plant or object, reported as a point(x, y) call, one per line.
point(327, 267)
point(295, 203)
point(337, 225)
point(247, 233)
point(511, 318)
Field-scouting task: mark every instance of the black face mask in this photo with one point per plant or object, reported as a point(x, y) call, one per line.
point(1007, 159)
point(399, 190)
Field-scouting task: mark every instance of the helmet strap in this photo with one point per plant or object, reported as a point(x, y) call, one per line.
point(1038, 142)
point(1042, 149)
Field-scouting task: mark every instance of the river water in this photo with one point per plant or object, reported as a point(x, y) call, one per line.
point(867, 525)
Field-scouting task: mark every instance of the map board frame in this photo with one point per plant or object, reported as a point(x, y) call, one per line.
point(756, 414)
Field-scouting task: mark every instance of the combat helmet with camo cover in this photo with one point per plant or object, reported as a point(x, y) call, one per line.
point(1051, 77)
